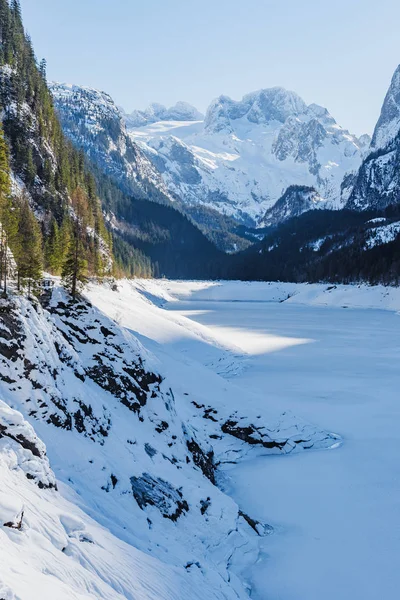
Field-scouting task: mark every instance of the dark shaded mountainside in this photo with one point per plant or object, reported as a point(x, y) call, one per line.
point(175, 246)
point(336, 246)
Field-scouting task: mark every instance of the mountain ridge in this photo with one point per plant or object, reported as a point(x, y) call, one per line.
point(181, 111)
point(246, 153)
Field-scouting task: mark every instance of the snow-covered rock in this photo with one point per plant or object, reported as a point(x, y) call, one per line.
point(294, 202)
point(25, 451)
point(181, 111)
point(51, 548)
point(383, 234)
point(246, 153)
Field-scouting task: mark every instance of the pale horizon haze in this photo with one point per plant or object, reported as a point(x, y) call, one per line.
point(339, 55)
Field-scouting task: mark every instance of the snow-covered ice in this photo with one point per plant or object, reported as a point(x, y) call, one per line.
point(335, 513)
point(298, 360)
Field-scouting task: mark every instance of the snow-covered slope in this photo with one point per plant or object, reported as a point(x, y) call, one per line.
point(52, 549)
point(378, 182)
point(91, 119)
point(181, 111)
point(294, 202)
point(134, 439)
point(310, 294)
point(245, 154)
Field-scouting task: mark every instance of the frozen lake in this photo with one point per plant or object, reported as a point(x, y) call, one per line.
point(336, 513)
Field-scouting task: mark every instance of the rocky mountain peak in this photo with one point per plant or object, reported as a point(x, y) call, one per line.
point(260, 107)
point(388, 125)
point(95, 101)
point(93, 122)
point(377, 184)
point(273, 104)
point(295, 201)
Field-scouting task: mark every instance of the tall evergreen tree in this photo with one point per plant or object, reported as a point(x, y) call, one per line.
point(74, 270)
point(43, 68)
point(29, 255)
point(41, 156)
point(75, 266)
point(65, 233)
point(53, 254)
point(8, 216)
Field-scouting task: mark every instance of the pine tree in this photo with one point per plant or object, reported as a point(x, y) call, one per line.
point(43, 68)
point(29, 255)
point(65, 233)
point(30, 168)
point(16, 9)
point(8, 215)
point(75, 266)
point(53, 255)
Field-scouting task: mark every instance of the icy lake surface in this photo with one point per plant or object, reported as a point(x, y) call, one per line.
point(336, 513)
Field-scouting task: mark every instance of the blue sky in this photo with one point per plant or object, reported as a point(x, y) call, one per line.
point(339, 54)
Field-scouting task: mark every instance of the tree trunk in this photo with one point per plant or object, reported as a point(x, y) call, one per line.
point(75, 270)
point(5, 265)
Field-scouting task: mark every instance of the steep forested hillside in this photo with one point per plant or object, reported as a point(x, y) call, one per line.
point(49, 175)
point(69, 195)
point(338, 246)
point(175, 246)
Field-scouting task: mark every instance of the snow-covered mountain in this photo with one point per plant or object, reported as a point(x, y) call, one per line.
point(377, 184)
point(91, 119)
point(181, 111)
point(388, 125)
point(94, 123)
point(241, 159)
point(294, 202)
point(126, 502)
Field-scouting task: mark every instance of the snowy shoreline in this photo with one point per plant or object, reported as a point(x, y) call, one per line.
point(161, 291)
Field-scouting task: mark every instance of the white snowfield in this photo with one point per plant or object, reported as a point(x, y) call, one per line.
point(269, 377)
point(60, 552)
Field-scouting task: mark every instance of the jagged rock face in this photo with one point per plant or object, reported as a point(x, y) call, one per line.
point(294, 202)
point(148, 490)
point(388, 124)
point(247, 153)
point(265, 106)
point(181, 111)
point(94, 123)
point(378, 181)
